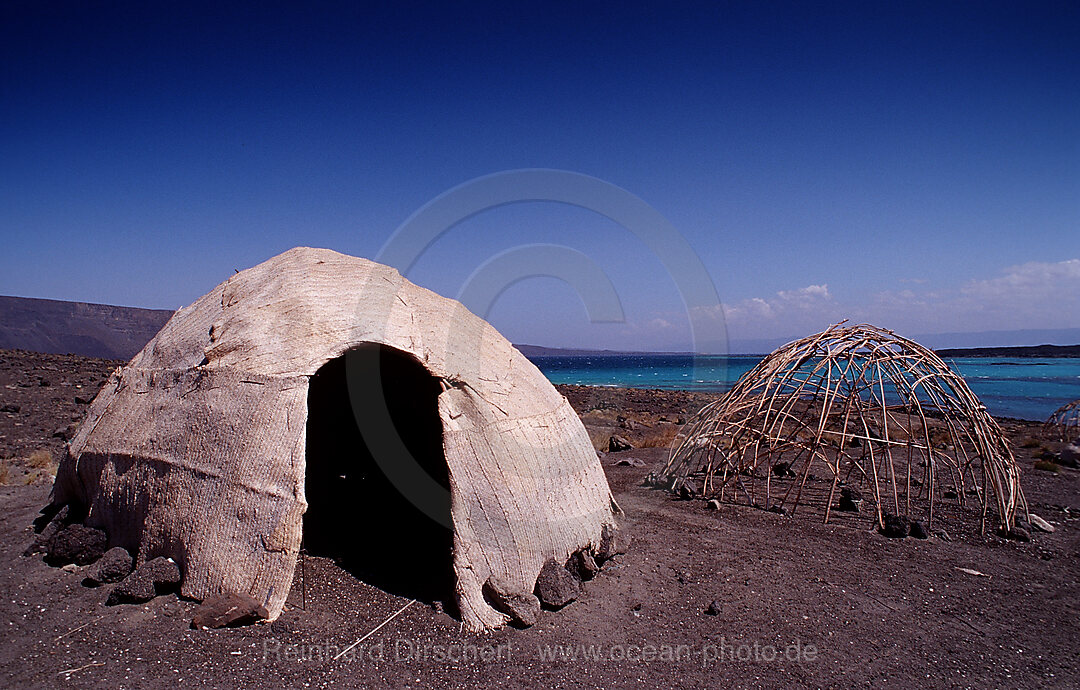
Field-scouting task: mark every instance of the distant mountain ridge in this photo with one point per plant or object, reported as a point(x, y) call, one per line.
point(112, 332)
point(91, 330)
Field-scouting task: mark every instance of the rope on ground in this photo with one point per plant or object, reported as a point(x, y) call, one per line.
point(375, 629)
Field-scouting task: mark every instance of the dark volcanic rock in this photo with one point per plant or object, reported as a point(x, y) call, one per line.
point(136, 588)
point(617, 443)
point(76, 544)
point(114, 566)
point(851, 493)
point(10, 408)
point(850, 499)
point(228, 610)
point(713, 609)
point(556, 586)
point(895, 527)
point(782, 469)
point(522, 607)
point(164, 573)
point(917, 530)
point(687, 489)
point(1017, 534)
point(158, 576)
point(583, 563)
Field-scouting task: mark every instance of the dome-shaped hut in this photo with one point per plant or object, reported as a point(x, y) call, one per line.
point(1065, 422)
point(406, 428)
point(851, 413)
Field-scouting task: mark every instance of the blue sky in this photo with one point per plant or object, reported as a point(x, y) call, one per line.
point(916, 165)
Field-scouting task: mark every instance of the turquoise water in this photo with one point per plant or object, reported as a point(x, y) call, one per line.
point(1009, 387)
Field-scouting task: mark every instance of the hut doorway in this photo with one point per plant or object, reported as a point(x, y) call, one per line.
point(377, 482)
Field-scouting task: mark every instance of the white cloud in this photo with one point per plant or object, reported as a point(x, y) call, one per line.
point(1033, 295)
point(788, 312)
point(805, 295)
point(783, 304)
point(1028, 282)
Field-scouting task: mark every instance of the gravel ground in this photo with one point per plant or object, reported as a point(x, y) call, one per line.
point(799, 604)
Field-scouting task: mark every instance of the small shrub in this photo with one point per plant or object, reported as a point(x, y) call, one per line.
point(1046, 466)
point(5, 473)
point(40, 460)
point(1030, 442)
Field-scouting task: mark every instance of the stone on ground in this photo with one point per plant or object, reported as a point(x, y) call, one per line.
point(584, 564)
point(895, 527)
point(1017, 534)
point(850, 499)
point(228, 610)
point(687, 489)
point(76, 544)
point(917, 530)
point(1040, 524)
point(617, 443)
point(556, 586)
point(114, 566)
point(613, 541)
point(522, 607)
point(158, 576)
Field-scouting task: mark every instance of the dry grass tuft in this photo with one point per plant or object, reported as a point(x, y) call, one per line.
point(1046, 466)
point(661, 437)
point(38, 476)
point(599, 439)
point(5, 473)
point(40, 460)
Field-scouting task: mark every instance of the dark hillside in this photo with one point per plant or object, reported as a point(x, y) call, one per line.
point(90, 330)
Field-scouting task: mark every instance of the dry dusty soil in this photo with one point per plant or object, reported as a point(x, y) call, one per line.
point(800, 604)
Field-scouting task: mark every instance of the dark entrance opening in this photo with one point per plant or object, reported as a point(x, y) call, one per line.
point(374, 413)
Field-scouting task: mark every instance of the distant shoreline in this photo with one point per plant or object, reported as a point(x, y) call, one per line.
point(1031, 351)
point(1026, 351)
